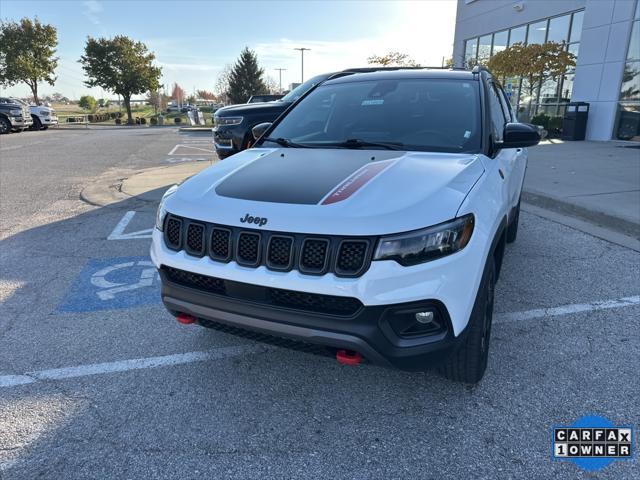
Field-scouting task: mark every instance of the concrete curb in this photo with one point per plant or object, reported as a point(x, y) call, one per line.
point(143, 185)
point(196, 129)
point(600, 219)
point(610, 236)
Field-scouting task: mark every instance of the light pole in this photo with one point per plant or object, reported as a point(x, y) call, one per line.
point(280, 70)
point(302, 50)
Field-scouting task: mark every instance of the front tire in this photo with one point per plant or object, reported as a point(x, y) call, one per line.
point(5, 126)
point(468, 362)
point(37, 124)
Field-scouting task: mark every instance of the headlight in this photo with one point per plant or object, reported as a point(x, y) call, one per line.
point(162, 212)
point(15, 113)
point(221, 121)
point(428, 244)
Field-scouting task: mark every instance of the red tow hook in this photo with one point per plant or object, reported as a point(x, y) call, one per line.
point(185, 318)
point(348, 357)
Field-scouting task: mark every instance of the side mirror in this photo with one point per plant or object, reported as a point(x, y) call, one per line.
point(519, 135)
point(259, 130)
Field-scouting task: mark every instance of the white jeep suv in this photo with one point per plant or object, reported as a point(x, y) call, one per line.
point(371, 218)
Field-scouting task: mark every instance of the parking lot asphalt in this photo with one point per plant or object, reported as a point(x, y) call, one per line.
point(98, 381)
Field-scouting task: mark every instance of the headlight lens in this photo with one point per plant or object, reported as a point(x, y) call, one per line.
point(162, 212)
point(15, 113)
point(428, 244)
point(221, 121)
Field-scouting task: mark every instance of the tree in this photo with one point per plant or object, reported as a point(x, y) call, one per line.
point(191, 99)
point(205, 95)
point(222, 83)
point(246, 77)
point(272, 85)
point(27, 51)
point(178, 94)
point(393, 59)
point(121, 65)
point(88, 103)
point(157, 100)
point(535, 64)
point(59, 98)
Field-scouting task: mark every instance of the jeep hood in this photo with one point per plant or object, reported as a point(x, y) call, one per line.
point(330, 191)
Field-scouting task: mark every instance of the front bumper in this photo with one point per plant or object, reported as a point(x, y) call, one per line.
point(452, 280)
point(21, 122)
point(49, 120)
point(368, 331)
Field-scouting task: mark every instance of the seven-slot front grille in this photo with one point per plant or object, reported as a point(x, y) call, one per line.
point(310, 254)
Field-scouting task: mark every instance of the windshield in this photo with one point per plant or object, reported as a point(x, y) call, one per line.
point(303, 88)
point(441, 115)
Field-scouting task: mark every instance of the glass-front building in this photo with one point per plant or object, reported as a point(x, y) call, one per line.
point(628, 116)
point(603, 35)
point(551, 97)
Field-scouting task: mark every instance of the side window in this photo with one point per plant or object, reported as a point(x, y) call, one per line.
point(504, 101)
point(496, 112)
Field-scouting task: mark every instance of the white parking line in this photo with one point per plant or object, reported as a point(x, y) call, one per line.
point(200, 148)
point(118, 231)
point(126, 365)
point(567, 309)
point(7, 381)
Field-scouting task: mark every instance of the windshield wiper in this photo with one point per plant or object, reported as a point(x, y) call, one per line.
point(357, 143)
point(285, 142)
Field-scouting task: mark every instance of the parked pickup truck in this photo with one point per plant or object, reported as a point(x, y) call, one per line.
point(14, 115)
point(43, 117)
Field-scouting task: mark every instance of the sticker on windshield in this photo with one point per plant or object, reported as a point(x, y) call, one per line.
point(467, 134)
point(373, 102)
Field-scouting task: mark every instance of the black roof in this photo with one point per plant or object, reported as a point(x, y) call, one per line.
point(364, 74)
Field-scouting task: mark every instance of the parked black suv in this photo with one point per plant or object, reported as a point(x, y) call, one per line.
point(233, 124)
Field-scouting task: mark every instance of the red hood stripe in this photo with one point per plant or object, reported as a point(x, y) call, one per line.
point(356, 180)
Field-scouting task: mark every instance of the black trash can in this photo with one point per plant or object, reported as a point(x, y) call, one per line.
point(574, 123)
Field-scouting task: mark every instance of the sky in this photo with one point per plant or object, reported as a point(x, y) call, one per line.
point(194, 40)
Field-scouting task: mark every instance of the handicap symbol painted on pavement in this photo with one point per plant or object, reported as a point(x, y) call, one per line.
point(113, 283)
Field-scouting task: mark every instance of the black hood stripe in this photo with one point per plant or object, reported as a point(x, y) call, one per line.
point(288, 178)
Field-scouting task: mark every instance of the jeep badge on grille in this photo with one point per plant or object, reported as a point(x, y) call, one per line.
point(260, 221)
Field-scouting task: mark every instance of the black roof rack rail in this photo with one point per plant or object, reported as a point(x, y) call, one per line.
point(351, 71)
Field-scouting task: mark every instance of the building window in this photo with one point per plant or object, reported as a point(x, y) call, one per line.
point(484, 49)
point(576, 27)
point(537, 32)
point(551, 97)
point(500, 40)
point(518, 35)
point(470, 52)
point(628, 117)
point(558, 29)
